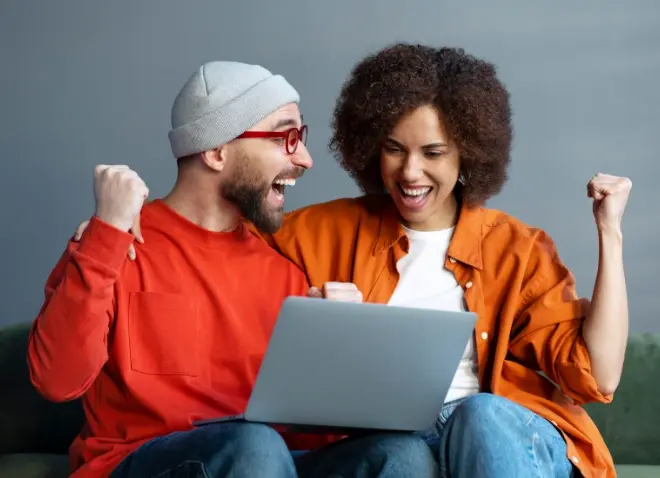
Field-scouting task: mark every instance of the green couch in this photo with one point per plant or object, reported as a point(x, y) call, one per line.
point(35, 434)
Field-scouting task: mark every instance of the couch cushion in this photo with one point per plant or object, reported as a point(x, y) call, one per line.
point(28, 422)
point(637, 471)
point(32, 465)
point(630, 423)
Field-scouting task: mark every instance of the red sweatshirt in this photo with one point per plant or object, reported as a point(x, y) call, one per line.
point(152, 345)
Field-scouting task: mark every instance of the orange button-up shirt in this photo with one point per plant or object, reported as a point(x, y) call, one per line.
point(529, 316)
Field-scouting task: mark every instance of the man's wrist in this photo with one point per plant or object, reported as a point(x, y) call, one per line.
point(118, 223)
point(105, 243)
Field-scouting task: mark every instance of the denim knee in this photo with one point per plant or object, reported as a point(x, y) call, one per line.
point(404, 455)
point(485, 410)
point(256, 442)
point(488, 435)
point(229, 449)
point(246, 450)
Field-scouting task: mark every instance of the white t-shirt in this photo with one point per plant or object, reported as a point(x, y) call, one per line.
point(424, 282)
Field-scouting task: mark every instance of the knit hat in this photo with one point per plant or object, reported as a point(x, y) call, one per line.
point(221, 101)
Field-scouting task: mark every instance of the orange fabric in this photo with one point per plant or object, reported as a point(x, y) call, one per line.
point(152, 345)
point(529, 317)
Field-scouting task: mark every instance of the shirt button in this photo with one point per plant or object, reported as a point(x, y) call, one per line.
point(452, 260)
point(575, 459)
point(484, 335)
point(468, 285)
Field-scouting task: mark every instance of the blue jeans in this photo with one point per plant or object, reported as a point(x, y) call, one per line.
point(486, 436)
point(238, 450)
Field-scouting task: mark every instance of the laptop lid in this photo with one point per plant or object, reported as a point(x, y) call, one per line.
point(350, 365)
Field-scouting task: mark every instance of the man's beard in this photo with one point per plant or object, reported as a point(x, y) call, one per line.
point(248, 192)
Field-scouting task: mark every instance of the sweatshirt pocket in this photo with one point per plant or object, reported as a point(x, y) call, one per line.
point(163, 333)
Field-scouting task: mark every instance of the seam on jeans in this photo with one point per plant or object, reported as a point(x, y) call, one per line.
point(557, 439)
point(531, 418)
point(542, 422)
point(535, 439)
point(164, 474)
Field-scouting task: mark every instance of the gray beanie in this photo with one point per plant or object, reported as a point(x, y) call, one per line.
point(221, 101)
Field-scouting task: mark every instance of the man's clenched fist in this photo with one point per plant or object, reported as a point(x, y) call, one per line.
point(120, 194)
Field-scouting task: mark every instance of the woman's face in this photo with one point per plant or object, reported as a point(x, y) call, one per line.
point(420, 164)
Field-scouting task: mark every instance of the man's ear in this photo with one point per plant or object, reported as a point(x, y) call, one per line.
point(215, 158)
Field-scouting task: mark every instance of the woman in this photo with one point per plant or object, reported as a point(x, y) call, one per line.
point(426, 133)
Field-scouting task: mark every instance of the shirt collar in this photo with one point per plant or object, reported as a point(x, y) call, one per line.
point(465, 245)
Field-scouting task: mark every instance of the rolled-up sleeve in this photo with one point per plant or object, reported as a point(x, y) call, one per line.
point(547, 332)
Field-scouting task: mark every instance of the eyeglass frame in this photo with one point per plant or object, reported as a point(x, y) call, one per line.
point(301, 136)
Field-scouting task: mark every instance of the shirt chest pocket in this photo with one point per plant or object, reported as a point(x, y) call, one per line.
point(164, 334)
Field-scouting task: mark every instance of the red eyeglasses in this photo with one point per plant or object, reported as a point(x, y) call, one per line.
point(292, 136)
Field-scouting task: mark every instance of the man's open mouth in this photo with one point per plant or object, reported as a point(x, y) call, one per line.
point(280, 184)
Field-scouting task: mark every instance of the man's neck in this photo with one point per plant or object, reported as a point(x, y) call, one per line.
point(203, 207)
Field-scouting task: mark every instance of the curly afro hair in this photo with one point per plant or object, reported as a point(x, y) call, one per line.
point(387, 85)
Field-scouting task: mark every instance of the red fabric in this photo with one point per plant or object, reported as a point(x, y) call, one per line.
point(152, 345)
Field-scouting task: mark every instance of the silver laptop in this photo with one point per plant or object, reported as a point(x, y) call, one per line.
point(342, 367)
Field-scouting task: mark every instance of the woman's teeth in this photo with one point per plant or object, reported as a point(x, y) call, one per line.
point(416, 191)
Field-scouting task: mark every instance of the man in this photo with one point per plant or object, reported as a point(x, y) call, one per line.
point(178, 334)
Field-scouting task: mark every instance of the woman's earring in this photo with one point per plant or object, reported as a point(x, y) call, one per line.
point(461, 179)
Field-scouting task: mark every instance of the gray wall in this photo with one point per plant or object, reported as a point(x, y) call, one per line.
point(85, 82)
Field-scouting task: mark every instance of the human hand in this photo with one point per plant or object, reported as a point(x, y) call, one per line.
point(610, 195)
point(119, 193)
point(341, 291)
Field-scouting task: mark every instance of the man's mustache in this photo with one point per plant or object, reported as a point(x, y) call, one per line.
point(292, 173)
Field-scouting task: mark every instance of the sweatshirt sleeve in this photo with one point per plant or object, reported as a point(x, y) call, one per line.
point(67, 345)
